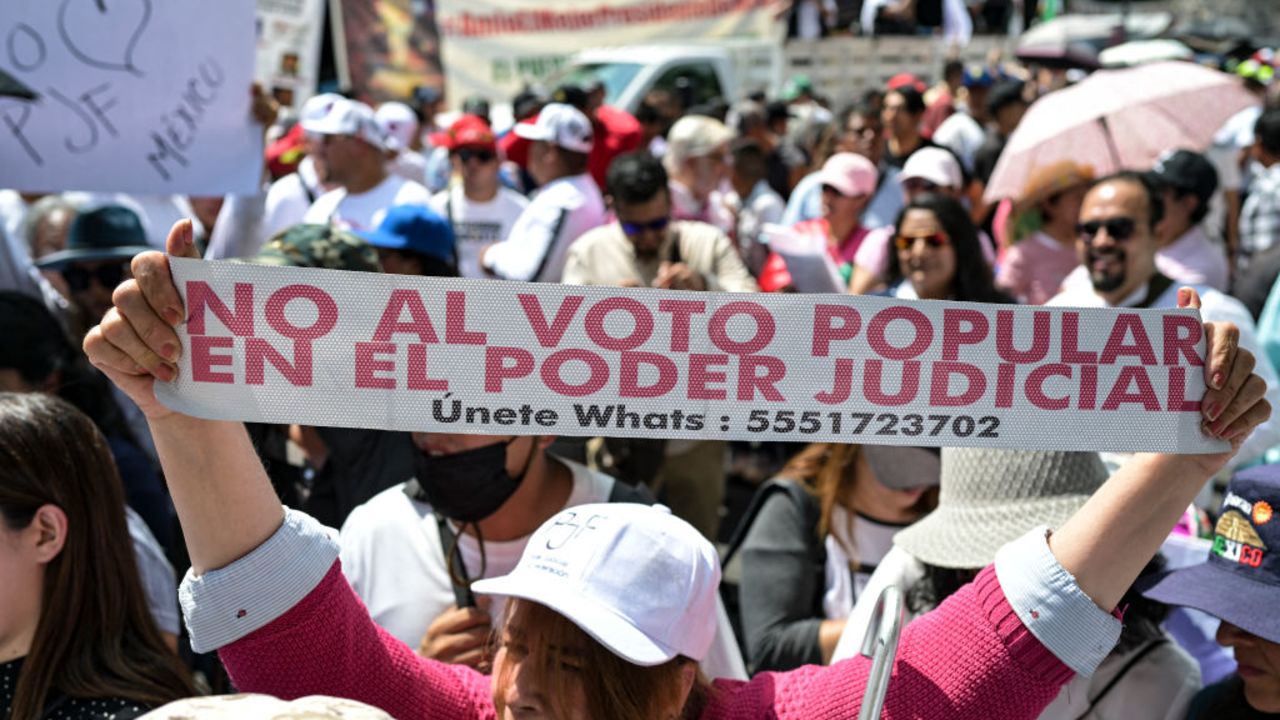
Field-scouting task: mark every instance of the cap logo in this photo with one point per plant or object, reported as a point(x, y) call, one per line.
point(1237, 541)
point(568, 527)
point(1262, 512)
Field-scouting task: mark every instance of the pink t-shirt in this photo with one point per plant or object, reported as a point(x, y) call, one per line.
point(1033, 270)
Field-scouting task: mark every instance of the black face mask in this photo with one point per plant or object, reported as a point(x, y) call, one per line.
point(467, 486)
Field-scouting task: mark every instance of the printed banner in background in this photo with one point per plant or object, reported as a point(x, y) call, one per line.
point(328, 348)
point(387, 47)
point(141, 96)
point(289, 35)
point(493, 47)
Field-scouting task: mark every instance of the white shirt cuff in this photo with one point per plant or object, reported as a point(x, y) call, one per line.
point(224, 605)
point(1052, 606)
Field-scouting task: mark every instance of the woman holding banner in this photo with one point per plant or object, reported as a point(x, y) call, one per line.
point(614, 605)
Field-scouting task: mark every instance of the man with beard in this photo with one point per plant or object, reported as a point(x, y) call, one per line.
point(1117, 244)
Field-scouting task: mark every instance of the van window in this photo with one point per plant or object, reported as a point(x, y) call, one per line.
point(694, 83)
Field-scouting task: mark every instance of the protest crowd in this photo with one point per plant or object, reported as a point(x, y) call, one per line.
point(153, 563)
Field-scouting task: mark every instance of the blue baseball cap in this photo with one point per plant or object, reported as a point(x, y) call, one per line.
point(416, 229)
point(1240, 581)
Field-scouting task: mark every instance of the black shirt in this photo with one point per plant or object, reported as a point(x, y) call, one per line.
point(986, 156)
point(1225, 701)
point(61, 707)
point(889, 160)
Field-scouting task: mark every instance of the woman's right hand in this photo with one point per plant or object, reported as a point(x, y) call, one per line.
point(136, 343)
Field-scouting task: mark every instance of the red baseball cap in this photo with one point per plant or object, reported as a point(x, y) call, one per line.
point(902, 80)
point(467, 131)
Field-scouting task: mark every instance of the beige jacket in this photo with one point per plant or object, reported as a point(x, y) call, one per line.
point(604, 256)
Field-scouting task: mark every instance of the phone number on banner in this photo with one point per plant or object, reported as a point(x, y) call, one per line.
point(812, 422)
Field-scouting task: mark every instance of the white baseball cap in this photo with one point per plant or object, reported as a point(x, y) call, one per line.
point(398, 124)
point(639, 580)
point(341, 116)
point(697, 136)
point(935, 165)
point(562, 125)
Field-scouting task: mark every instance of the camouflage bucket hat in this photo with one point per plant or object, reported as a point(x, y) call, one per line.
point(318, 246)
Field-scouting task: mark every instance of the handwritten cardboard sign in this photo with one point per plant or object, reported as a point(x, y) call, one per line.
point(321, 347)
point(142, 96)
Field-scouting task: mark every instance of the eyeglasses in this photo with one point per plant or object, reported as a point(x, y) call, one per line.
point(79, 278)
point(483, 156)
point(635, 228)
point(1118, 229)
point(934, 240)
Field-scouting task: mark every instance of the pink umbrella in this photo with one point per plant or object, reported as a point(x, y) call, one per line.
point(1119, 119)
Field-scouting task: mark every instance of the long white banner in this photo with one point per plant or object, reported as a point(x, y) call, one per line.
point(328, 348)
point(495, 47)
point(140, 96)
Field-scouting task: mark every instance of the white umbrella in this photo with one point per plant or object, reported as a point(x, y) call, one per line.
point(1141, 52)
point(1118, 119)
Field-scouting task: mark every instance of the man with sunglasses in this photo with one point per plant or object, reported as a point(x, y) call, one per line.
point(480, 210)
point(1117, 242)
point(100, 245)
point(646, 248)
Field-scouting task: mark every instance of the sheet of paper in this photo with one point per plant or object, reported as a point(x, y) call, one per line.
point(137, 96)
point(811, 267)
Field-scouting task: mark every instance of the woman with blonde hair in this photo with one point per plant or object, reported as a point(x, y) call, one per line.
point(818, 531)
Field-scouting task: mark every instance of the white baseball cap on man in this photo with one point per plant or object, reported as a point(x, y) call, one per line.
point(639, 580)
point(934, 165)
point(697, 136)
point(398, 124)
point(340, 116)
point(562, 125)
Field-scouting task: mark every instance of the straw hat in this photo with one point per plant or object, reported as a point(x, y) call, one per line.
point(1049, 180)
point(991, 497)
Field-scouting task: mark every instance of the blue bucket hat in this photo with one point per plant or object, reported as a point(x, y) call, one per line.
point(111, 232)
point(416, 229)
point(1240, 582)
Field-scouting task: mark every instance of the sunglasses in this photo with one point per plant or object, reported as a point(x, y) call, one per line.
point(79, 278)
point(484, 156)
point(634, 228)
point(934, 240)
point(1118, 229)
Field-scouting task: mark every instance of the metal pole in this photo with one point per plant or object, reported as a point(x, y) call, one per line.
point(881, 645)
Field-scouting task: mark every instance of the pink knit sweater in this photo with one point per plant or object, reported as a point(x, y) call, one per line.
point(971, 658)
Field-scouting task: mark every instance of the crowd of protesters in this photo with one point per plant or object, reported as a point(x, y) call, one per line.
point(406, 570)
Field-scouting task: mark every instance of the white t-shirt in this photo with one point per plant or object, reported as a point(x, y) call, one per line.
point(364, 211)
point(392, 556)
point(538, 243)
point(871, 540)
point(289, 198)
point(477, 224)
